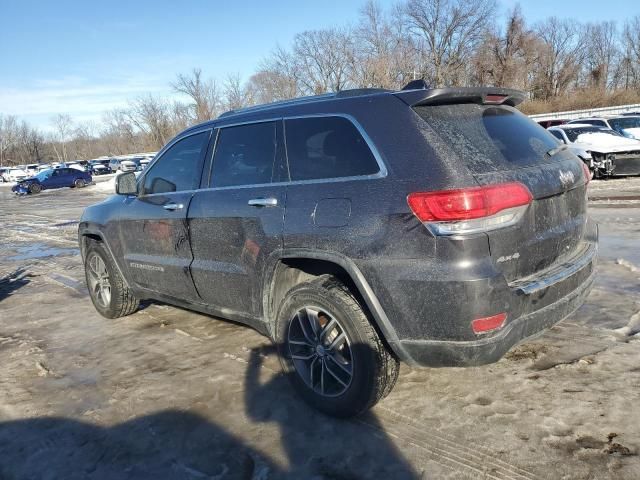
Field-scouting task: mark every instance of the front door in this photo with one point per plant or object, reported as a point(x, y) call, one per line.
point(154, 233)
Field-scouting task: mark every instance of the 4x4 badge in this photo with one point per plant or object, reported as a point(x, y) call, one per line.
point(567, 178)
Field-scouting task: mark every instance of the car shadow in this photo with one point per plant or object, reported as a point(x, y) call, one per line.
point(13, 281)
point(177, 444)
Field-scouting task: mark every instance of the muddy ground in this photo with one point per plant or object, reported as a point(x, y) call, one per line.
point(167, 393)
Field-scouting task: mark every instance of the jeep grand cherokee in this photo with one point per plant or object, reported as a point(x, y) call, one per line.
point(437, 227)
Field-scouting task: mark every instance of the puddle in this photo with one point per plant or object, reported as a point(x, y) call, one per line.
point(40, 250)
point(613, 247)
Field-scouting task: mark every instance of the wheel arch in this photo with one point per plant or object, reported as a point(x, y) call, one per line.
point(291, 267)
point(87, 234)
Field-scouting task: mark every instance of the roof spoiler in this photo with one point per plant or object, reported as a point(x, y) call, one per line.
point(445, 96)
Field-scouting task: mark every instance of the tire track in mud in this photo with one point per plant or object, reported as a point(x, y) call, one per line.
point(447, 451)
point(476, 462)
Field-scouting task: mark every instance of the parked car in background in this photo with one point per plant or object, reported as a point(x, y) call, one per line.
point(99, 169)
point(438, 227)
point(2, 172)
point(53, 178)
point(551, 123)
point(605, 151)
point(15, 175)
point(144, 163)
point(77, 166)
point(128, 166)
point(626, 125)
point(31, 169)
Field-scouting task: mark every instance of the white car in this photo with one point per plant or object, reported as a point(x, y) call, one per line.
point(31, 169)
point(626, 125)
point(127, 166)
point(15, 175)
point(605, 152)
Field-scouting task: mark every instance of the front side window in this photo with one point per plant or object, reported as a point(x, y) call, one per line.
point(244, 155)
point(327, 147)
point(177, 170)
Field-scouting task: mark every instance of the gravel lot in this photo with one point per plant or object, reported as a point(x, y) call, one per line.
point(167, 393)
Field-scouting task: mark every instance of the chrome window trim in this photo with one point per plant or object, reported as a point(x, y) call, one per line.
point(160, 154)
point(382, 168)
point(382, 173)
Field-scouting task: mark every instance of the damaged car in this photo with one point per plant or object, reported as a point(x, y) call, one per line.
point(607, 153)
point(53, 178)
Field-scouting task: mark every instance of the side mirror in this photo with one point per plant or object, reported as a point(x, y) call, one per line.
point(126, 184)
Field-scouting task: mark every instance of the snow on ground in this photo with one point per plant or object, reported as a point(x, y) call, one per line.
point(167, 393)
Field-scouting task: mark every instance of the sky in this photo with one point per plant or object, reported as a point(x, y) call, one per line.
point(85, 57)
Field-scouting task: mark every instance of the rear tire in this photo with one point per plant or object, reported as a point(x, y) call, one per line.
point(107, 289)
point(340, 366)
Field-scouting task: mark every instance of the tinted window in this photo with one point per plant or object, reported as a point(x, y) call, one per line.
point(327, 147)
point(490, 137)
point(557, 134)
point(244, 155)
point(177, 169)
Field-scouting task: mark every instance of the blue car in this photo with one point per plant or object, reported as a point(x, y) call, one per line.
point(53, 178)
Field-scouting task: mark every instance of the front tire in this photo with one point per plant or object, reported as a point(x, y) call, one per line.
point(79, 183)
point(330, 351)
point(35, 188)
point(107, 289)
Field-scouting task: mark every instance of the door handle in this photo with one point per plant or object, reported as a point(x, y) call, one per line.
point(263, 202)
point(173, 206)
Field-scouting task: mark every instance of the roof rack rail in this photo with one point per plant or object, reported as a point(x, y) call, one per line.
point(356, 92)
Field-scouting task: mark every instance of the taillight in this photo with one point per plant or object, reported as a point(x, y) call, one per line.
point(471, 210)
point(487, 324)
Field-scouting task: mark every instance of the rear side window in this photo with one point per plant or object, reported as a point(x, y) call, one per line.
point(327, 147)
point(244, 155)
point(490, 137)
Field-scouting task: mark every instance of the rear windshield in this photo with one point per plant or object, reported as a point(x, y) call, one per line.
point(491, 137)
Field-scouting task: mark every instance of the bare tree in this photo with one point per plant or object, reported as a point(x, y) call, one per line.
point(385, 53)
point(602, 53)
point(152, 116)
point(63, 125)
point(506, 58)
point(203, 93)
point(449, 31)
point(323, 60)
point(235, 94)
point(560, 57)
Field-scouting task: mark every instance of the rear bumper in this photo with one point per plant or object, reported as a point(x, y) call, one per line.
point(442, 353)
point(431, 311)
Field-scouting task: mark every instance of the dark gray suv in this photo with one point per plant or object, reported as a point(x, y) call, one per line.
point(437, 227)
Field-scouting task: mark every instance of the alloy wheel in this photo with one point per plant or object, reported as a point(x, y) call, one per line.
point(99, 282)
point(320, 351)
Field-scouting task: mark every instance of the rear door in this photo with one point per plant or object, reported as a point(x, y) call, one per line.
point(498, 144)
point(153, 229)
point(58, 178)
point(236, 222)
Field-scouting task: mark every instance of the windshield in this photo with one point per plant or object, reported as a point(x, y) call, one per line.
point(624, 123)
point(44, 174)
point(572, 133)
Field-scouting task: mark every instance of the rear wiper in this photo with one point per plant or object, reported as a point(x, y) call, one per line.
point(558, 149)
